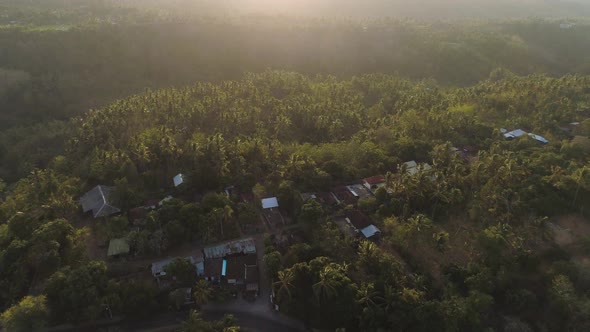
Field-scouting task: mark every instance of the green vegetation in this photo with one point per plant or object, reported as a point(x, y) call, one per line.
point(491, 235)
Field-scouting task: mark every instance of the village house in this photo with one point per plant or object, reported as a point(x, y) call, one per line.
point(326, 199)
point(413, 168)
point(359, 191)
point(235, 271)
point(98, 200)
point(362, 224)
point(344, 196)
point(118, 248)
point(510, 135)
point(375, 182)
point(233, 264)
point(245, 247)
point(271, 213)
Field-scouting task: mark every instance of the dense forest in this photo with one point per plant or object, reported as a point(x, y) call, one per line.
point(489, 234)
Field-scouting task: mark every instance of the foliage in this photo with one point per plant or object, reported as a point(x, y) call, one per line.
point(30, 314)
point(78, 294)
point(182, 271)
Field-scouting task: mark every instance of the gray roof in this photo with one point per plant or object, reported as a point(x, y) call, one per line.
point(245, 246)
point(412, 167)
point(515, 133)
point(97, 201)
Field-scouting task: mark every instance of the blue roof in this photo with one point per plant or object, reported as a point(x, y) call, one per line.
point(370, 231)
point(224, 267)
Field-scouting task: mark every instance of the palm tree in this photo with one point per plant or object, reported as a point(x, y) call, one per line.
point(285, 282)
point(368, 295)
point(325, 288)
point(202, 292)
point(387, 302)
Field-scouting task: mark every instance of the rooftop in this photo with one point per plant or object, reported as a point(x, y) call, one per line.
point(118, 247)
point(245, 246)
point(178, 180)
point(270, 203)
point(358, 219)
point(370, 231)
point(97, 201)
point(515, 134)
point(236, 266)
point(374, 180)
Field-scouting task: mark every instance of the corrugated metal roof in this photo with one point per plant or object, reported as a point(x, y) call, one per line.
point(370, 231)
point(539, 138)
point(97, 201)
point(178, 180)
point(270, 203)
point(515, 133)
point(245, 246)
point(118, 247)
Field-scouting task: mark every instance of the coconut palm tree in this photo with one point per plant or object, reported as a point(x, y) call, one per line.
point(285, 283)
point(325, 289)
point(202, 292)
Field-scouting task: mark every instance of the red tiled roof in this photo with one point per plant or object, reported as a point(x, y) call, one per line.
point(375, 179)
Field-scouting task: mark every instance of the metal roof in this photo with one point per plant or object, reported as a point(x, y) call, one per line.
point(97, 201)
point(515, 133)
point(118, 247)
point(245, 246)
point(178, 180)
point(539, 138)
point(370, 231)
point(270, 203)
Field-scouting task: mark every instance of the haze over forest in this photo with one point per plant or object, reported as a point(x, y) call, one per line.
point(377, 165)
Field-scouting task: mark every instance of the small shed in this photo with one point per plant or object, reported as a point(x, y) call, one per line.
point(270, 203)
point(539, 138)
point(515, 134)
point(370, 231)
point(118, 247)
point(178, 180)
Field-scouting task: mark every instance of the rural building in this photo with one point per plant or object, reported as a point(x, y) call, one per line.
point(370, 231)
point(375, 182)
point(270, 203)
point(245, 246)
point(235, 271)
point(539, 138)
point(326, 199)
point(118, 247)
point(362, 224)
point(514, 134)
point(98, 201)
point(359, 191)
point(178, 180)
point(343, 195)
point(412, 167)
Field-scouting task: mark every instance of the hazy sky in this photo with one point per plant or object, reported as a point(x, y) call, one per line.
point(412, 8)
